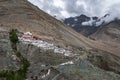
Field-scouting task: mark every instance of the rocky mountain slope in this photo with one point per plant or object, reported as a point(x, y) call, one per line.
point(109, 32)
point(90, 59)
point(86, 25)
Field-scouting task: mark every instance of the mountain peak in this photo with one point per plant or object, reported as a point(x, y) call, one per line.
point(83, 16)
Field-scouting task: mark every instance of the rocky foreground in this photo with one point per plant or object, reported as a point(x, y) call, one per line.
point(45, 64)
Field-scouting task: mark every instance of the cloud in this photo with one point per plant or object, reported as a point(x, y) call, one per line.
point(70, 8)
point(89, 23)
point(113, 11)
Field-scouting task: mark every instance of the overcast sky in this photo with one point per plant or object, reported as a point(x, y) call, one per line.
point(69, 8)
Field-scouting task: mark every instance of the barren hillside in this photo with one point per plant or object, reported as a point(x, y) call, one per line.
point(25, 17)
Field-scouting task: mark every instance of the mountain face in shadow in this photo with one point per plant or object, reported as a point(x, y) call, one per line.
point(76, 24)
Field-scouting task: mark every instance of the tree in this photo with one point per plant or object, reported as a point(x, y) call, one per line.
point(13, 36)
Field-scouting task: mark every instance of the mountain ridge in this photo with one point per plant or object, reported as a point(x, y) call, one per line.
point(76, 24)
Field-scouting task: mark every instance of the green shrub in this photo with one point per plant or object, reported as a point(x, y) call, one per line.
point(13, 36)
point(22, 72)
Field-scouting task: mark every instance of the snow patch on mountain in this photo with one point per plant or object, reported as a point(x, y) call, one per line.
point(75, 19)
point(73, 25)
